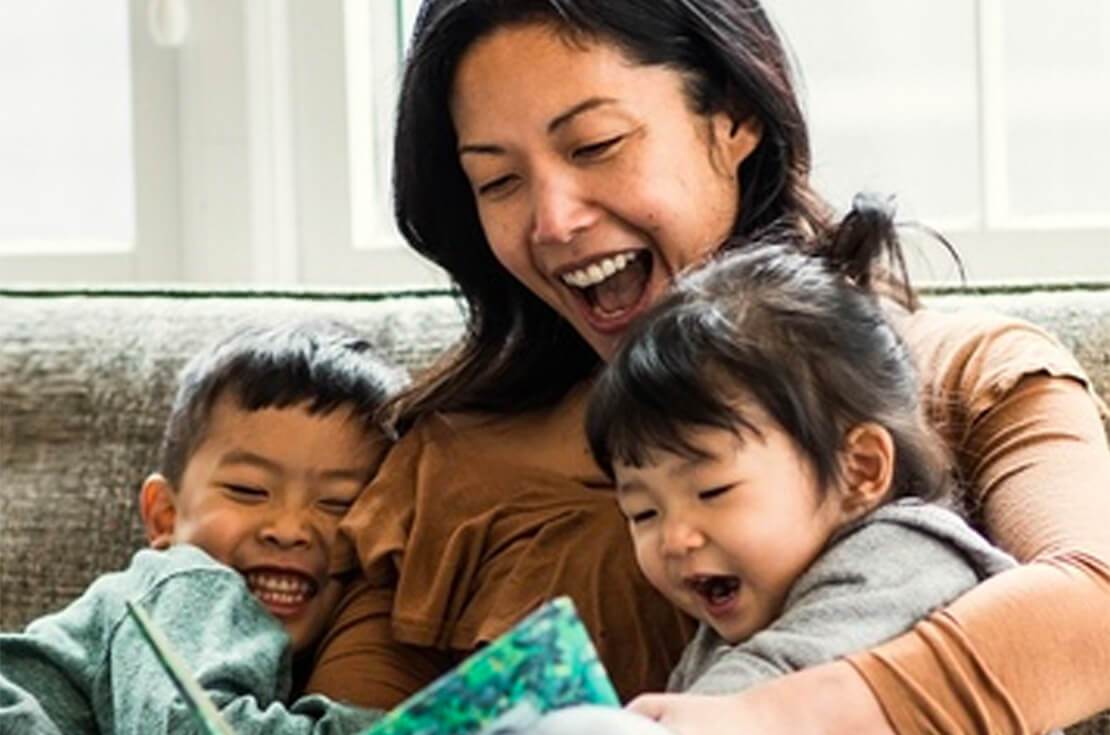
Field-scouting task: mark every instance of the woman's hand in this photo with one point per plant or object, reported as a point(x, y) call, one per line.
point(831, 699)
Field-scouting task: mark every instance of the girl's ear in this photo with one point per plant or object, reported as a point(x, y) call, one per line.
point(157, 505)
point(866, 468)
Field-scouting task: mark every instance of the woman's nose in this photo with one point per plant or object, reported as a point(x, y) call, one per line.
point(559, 210)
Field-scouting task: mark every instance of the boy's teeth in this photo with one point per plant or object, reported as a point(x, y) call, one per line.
point(595, 273)
point(286, 589)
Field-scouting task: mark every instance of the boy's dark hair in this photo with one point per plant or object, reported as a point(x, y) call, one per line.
point(804, 336)
point(324, 364)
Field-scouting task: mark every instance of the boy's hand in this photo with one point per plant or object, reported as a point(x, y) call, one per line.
point(831, 699)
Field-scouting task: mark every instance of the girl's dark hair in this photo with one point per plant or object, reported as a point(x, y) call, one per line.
point(517, 352)
point(321, 363)
point(803, 336)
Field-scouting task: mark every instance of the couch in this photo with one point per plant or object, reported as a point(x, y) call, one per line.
point(86, 378)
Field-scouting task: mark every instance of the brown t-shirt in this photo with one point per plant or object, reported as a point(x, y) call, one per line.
point(471, 521)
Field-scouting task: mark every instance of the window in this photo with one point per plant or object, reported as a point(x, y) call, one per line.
point(80, 198)
point(257, 150)
point(988, 119)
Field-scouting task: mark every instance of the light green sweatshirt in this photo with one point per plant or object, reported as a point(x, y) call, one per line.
point(87, 669)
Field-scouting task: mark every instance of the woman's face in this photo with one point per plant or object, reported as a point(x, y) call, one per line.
point(594, 180)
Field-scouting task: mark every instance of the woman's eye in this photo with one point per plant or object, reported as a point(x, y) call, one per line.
point(715, 492)
point(595, 150)
point(641, 516)
point(496, 186)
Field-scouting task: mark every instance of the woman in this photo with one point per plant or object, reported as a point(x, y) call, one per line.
point(563, 159)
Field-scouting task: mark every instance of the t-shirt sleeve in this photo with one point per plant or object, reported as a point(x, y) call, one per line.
point(1026, 650)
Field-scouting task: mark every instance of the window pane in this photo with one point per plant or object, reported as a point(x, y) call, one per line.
point(1057, 102)
point(66, 174)
point(890, 89)
point(373, 56)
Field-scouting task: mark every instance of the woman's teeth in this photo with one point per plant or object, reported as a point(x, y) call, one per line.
point(597, 272)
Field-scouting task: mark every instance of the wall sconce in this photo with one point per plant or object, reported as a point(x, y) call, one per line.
point(168, 22)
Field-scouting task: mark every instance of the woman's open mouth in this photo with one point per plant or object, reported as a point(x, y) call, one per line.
point(717, 592)
point(282, 592)
point(612, 288)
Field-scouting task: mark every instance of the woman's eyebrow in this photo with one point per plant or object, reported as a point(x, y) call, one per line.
point(583, 106)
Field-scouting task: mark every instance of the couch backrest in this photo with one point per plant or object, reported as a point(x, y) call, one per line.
point(86, 381)
point(85, 387)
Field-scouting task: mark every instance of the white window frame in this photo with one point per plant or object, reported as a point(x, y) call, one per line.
point(155, 253)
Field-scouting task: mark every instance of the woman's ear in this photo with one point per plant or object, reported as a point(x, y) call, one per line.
point(866, 468)
point(734, 139)
point(157, 505)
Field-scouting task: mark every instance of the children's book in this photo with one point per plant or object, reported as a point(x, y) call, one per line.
point(545, 662)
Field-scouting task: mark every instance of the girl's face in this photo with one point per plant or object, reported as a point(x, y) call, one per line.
point(594, 180)
point(724, 537)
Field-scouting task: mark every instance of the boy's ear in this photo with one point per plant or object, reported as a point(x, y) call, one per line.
point(866, 468)
point(157, 505)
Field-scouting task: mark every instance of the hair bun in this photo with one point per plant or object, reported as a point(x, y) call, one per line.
point(865, 234)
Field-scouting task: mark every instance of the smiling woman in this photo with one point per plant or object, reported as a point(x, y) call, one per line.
point(560, 185)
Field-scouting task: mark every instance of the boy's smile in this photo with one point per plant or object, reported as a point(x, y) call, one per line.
point(264, 493)
point(726, 535)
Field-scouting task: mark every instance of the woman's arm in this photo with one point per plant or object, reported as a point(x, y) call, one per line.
point(1027, 650)
point(831, 698)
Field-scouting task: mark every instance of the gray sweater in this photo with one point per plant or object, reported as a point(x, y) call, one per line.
point(876, 578)
point(87, 669)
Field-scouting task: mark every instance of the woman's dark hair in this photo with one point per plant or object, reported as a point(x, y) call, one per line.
point(517, 352)
point(801, 335)
point(323, 364)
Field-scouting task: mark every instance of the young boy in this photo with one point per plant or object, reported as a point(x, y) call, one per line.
point(270, 439)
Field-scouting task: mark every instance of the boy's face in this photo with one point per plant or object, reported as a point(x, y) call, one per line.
point(264, 493)
point(725, 537)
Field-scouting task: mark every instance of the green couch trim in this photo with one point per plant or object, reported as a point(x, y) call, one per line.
point(221, 293)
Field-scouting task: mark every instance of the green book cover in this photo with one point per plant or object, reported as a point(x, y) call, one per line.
point(545, 662)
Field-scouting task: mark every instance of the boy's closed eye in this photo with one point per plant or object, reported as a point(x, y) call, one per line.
point(245, 493)
point(336, 505)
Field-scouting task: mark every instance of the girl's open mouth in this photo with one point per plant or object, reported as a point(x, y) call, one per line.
point(718, 592)
point(612, 288)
